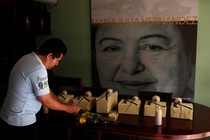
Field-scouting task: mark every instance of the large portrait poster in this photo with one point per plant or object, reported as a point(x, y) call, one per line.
point(145, 45)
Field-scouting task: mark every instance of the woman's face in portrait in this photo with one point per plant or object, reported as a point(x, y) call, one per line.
point(142, 57)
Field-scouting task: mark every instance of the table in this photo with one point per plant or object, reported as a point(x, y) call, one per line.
point(139, 125)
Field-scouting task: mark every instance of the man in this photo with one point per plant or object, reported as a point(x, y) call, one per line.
point(28, 90)
point(145, 57)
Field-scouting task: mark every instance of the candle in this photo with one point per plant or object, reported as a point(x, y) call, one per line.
point(158, 115)
point(113, 115)
point(45, 110)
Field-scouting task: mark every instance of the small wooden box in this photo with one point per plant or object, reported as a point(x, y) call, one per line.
point(106, 101)
point(85, 102)
point(65, 98)
point(183, 111)
point(149, 109)
point(129, 106)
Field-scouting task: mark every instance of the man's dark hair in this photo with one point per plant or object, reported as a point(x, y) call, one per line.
point(54, 46)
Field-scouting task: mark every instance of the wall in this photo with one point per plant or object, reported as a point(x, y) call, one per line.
point(71, 22)
point(202, 91)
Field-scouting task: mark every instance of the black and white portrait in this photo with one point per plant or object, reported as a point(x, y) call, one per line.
point(136, 54)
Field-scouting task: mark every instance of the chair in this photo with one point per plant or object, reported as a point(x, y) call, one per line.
point(164, 96)
point(70, 84)
point(58, 83)
point(96, 91)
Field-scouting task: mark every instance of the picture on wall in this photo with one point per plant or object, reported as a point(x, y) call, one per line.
point(145, 45)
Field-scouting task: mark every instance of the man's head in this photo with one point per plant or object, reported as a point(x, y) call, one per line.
point(52, 51)
point(54, 46)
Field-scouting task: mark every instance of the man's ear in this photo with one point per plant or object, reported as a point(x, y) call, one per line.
point(50, 56)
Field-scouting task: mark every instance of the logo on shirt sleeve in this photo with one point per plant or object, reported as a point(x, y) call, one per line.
point(42, 82)
point(46, 84)
point(43, 85)
point(40, 85)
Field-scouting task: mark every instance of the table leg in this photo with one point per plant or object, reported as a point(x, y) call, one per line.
point(69, 133)
point(99, 135)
